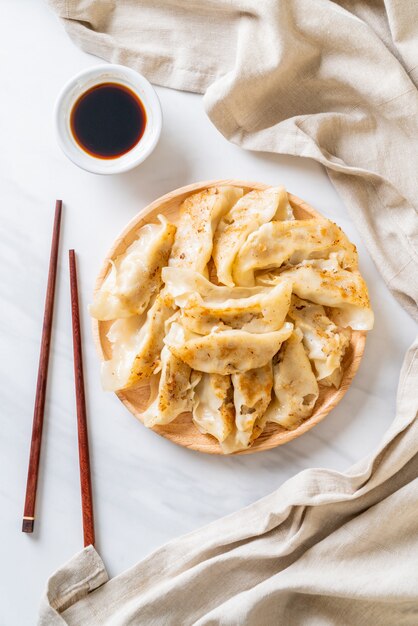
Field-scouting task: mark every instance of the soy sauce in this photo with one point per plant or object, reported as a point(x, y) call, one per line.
point(108, 120)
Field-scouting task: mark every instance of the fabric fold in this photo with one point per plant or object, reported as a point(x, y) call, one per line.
point(81, 575)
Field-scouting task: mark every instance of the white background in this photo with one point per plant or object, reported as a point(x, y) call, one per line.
point(147, 491)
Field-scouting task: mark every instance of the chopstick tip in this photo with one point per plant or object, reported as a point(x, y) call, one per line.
point(27, 525)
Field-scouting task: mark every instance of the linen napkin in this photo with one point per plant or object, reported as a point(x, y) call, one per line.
point(337, 82)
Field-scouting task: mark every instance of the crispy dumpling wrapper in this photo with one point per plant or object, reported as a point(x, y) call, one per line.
point(172, 395)
point(199, 217)
point(277, 243)
point(136, 343)
point(324, 342)
point(226, 351)
point(248, 214)
point(252, 394)
point(205, 306)
point(257, 314)
point(135, 275)
point(295, 386)
point(325, 282)
point(213, 406)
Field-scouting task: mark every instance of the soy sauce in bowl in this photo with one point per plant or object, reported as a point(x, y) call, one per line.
point(108, 120)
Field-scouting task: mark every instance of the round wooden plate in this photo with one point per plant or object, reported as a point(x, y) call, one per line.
point(182, 431)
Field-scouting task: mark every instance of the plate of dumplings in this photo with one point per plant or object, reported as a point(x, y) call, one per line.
point(230, 316)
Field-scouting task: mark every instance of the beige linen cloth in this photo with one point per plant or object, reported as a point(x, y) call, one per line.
point(337, 82)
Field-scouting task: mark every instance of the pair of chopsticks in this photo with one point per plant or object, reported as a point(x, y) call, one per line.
point(38, 416)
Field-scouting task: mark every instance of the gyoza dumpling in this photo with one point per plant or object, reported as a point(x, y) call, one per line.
point(137, 342)
point(344, 291)
point(205, 305)
point(252, 394)
point(325, 282)
point(295, 386)
point(174, 393)
point(276, 243)
point(180, 283)
point(257, 314)
point(248, 214)
point(213, 406)
point(226, 351)
point(324, 342)
point(135, 275)
point(199, 217)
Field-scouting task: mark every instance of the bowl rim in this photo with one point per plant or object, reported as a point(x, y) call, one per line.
point(118, 165)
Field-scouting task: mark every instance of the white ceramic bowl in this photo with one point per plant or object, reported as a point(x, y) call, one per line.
point(84, 81)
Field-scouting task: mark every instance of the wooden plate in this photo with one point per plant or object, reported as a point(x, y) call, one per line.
point(182, 430)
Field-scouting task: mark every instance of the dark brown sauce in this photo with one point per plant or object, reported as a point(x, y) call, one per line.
point(108, 120)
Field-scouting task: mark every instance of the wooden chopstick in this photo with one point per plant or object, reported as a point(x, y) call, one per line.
point(83, 441)
point(38, 414)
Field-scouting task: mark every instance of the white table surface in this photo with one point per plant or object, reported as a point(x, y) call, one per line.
point(146, 490)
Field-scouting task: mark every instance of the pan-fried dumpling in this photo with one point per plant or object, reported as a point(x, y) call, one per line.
point(199, 217)
point(179, 283)
point(205, 305)
point(226, 351)
point(137, 342)
point(248, 214)
point(213, 406)
point(325, 282)
point(295, 386)
point(324, 342)
point(135, 275)
point(258, 314)
point(252, 393)
point(276, 243)
point(174, 393)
